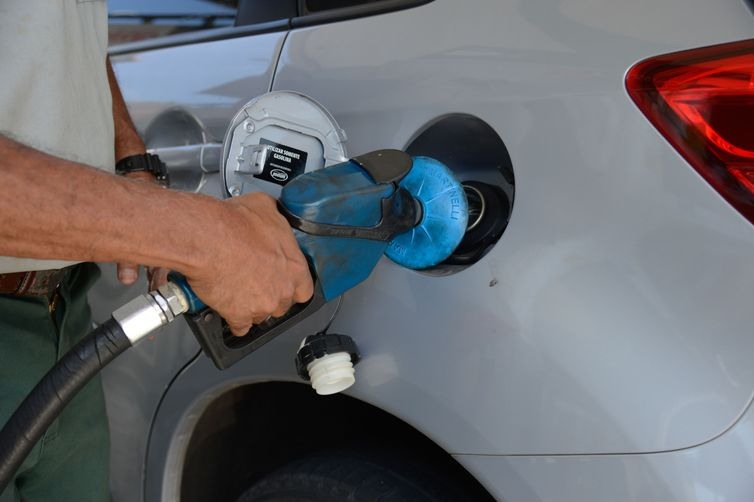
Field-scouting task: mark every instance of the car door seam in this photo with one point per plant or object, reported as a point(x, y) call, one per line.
point(277, 61)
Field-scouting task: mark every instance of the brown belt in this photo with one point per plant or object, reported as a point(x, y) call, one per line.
point(35, 283)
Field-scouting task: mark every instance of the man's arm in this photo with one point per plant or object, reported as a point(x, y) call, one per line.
point(240, 255)
point(127, 143)
point(127, 139)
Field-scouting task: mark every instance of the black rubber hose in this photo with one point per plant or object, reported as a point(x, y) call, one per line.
point(54, 391)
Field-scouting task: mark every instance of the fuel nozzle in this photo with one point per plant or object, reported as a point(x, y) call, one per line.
point(345, 218)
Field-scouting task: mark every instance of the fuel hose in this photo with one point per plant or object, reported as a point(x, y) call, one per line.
point(43, 405)
point(54, 392)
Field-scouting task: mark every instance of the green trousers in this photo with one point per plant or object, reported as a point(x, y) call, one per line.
point(70, 462)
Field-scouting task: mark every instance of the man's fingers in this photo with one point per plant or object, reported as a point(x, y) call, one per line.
point(304, 292)
point(239, 329)
point(280, 312)
point(157, 277)
point(128, 273)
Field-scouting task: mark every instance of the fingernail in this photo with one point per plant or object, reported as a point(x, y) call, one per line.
point(127, 276)
point(240, 332)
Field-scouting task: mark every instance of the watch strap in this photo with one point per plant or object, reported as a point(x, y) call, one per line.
point(146, 162)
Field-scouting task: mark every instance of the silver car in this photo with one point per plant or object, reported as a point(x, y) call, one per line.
point(596, 345)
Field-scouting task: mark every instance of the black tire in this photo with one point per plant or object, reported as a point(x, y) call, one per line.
point(343, 477)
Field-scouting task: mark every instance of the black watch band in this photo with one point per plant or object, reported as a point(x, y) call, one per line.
point(146, 162)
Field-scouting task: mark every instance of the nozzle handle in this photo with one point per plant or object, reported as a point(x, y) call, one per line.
point(216, 339)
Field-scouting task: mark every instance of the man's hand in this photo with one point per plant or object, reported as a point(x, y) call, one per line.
point(255, 269)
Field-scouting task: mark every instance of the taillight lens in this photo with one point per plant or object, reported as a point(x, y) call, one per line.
point(702, 101)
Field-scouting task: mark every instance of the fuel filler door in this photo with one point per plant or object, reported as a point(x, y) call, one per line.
point(276, 137)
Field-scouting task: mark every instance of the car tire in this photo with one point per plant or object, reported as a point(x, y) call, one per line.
point(339, 477)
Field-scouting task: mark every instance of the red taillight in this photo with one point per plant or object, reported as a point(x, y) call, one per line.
point(702, 101)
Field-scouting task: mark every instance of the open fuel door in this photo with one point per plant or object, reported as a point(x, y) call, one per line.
point(276, 137)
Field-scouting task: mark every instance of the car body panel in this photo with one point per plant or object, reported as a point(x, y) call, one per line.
point(608, 332)
point(590, 327)
point(210, 80)
point(720, 470)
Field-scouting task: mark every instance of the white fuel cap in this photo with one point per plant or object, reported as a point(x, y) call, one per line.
point(274, 138)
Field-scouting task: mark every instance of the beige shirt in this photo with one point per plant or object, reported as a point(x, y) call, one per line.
point(54, 93)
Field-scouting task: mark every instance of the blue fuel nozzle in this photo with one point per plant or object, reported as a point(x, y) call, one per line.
point(345, 217)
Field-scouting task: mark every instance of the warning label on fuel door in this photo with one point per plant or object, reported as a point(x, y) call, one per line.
point(283, 163)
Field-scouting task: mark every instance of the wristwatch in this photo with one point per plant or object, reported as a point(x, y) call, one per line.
point(146, 162)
